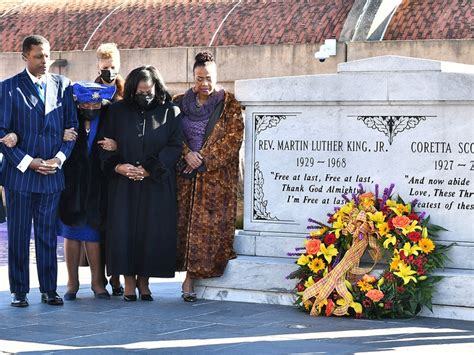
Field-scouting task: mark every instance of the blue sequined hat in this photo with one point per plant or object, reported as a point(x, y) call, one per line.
point(86, 91)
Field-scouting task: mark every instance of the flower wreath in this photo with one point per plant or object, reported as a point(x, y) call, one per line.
point(330, 280)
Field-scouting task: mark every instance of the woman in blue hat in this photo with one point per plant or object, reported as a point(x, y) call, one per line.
point(82, 202)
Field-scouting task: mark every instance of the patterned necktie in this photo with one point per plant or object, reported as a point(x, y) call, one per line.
point(40, 89)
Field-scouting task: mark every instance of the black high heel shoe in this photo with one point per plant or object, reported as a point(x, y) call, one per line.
point(188, 296)
point(117, 291)
point(146, 297)
point(70, 296)
point(101, 296)
point(129, 298)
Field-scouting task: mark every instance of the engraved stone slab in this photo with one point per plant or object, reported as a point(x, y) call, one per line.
point(303, 158)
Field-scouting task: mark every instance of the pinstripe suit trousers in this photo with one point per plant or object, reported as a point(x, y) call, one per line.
point(23, 208)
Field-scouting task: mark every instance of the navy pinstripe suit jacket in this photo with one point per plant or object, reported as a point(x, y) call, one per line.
point(39, 126)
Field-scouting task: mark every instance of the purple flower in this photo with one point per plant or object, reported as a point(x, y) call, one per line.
point(390, 189)
point(361, 188)
point(376, 192)
point(344, 196)
point(414, 202)
point(355, 198)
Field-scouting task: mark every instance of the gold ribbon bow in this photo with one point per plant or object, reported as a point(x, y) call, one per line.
point(363, 234)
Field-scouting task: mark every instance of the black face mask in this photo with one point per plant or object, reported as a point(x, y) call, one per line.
point(90, 114)
point(108, 75)
point(143, 101)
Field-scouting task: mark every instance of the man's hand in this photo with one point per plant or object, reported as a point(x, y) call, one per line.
point(44, 167)
point(108, 144)
point(70, 135)
point(10, 140)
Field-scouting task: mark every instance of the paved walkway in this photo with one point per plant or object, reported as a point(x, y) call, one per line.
point(170, 326)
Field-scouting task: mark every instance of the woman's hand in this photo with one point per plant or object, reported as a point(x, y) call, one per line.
point(69, 135)
point(10, 140)
point(194, 160)
point(142, 173)
point(126, 169)
point(135, 173)
point(108, 144)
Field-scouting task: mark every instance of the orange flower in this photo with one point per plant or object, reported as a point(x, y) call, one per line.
point(364, 285)
point(312, 246)
point(375, 295)
point(367, 199)
point(329, 307)
point(367, 195)
point(401, 221)
point(369, 278)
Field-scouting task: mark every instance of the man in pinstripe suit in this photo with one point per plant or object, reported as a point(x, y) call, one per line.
point(37, 106)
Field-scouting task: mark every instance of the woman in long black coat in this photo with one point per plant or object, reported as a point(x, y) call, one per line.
point(141, 221)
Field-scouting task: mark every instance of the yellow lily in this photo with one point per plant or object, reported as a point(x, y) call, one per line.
point(318, 232)
point(327, 252)
point(424, 232)
point(413, 226)
point(338, 224)
point(400, 208)
point(380, 282)
point(355, 305)
point(408, 249)
point(391, 203)
point(309, 282)
point(321, 304)
point(390, 239)
point(377, 217)
point(383, 228)
point(406, 273)
point(347, 208)
point(304, 259)
point(394, 264)
point(348, 285)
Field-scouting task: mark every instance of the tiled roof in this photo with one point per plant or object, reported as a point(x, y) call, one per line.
point(432, 19)
point(69, 25)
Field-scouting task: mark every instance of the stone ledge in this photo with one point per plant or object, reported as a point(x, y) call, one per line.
point(258, 279)
point(393, 63)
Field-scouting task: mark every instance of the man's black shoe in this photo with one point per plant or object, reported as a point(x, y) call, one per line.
point(52, 298)
point(19, 299)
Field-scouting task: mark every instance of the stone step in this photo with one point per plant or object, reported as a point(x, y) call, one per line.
point(257, 279)
point(280, 244)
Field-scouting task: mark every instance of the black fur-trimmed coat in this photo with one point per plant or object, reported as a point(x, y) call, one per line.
point(84, 199)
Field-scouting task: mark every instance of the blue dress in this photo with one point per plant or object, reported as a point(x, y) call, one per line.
point(83, 233)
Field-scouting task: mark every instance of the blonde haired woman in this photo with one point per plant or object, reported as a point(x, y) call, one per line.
point(108, 64)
